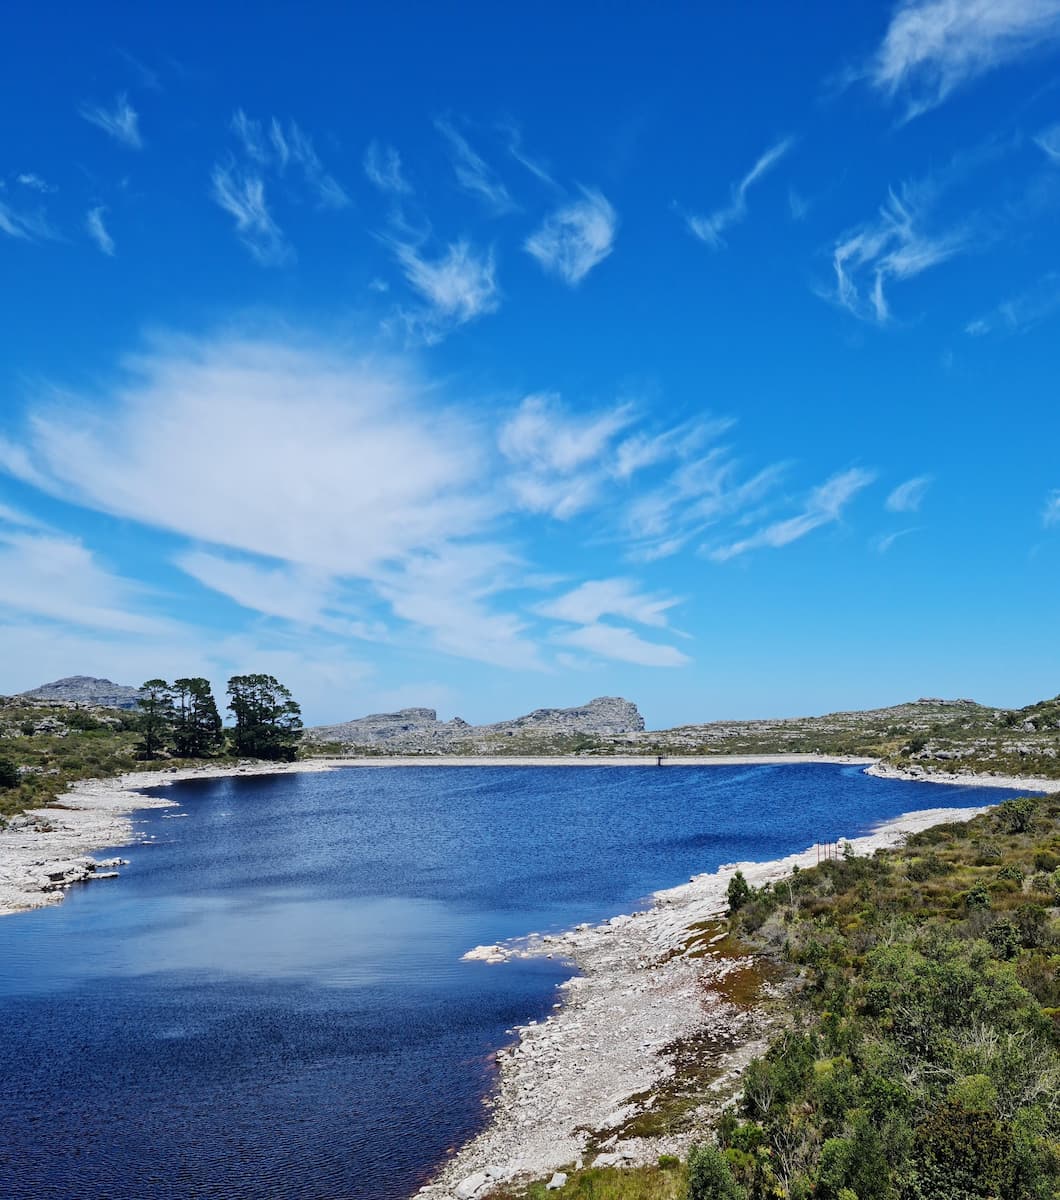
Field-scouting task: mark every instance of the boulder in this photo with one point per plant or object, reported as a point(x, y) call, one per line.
point(471, 1185)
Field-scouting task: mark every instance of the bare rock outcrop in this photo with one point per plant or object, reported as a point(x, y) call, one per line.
point(416, 730)
point(85, 689)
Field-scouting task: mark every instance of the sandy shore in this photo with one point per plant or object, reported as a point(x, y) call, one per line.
point(567, 1083)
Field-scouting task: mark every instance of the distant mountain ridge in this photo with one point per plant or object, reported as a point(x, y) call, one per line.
point(85, 689)
point(418, 729)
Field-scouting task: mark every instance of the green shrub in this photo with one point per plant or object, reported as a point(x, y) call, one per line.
point(739, 892)
point(710, 1176)
point(9, 774)
point(1015, 816)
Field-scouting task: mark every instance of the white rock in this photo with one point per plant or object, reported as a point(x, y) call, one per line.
point(556, 1182)
point(472, 1184)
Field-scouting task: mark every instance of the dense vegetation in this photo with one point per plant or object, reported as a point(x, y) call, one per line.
point(44, 747)
point(922, 1062)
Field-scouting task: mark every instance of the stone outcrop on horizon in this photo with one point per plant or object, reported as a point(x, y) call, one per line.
point(85, 689)
point(417, 729)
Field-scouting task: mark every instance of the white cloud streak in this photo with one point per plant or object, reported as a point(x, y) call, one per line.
point(934, 47)
point(824, 506)
point(24, 226)
point(34, 182)
point(97, 230)
point(1021, 312)
point(121, 121)
point(884, 543)
point(1049, 143)
point(458, 286)
point(279, 146)
point(473, 173)
point(623, 645)
point(908, 496)
point(1051, 511)
point(575, 238)
point(557, 456)
point(242, 194)
point(597, 598)
point(710, 228)
point(305, 596)
point(515, 149)
point(56, 577)
point(893, 248)
point(382, 166)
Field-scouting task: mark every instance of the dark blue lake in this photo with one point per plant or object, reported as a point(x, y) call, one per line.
point(270, 1002)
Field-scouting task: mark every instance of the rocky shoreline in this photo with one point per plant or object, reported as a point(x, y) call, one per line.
point(567, 1086)
point(45, 851)
point(964, 778)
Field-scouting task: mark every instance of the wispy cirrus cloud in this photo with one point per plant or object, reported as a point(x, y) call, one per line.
point(898, 245)
point(515, 148)
point(24, 225)
point(706, 487)
point(97, 230)
point(241, 193)
point(575, 238)
point(34, 182)
point(557, 456)
point(279, 145)
point(382, 166)
point(473, 173)
point(120, 121)
point(908, 496)
point(711, 227)
point(52, 575)
point(621, 644)
point(451, 596)
point(1051, 511)
point(305, 596)
point(458, 285)
point(823, 506)
point(1022, 311)
point(596, 598)
point(933, 47)
point(1049, 143)
point(884, 543)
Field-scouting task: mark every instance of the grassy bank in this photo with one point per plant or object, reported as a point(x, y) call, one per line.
point(53, 746)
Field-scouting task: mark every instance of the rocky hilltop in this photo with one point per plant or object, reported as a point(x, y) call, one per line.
point(85, 689)
point(415, 730)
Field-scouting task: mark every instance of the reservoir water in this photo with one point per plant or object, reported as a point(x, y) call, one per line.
point(270, 1001)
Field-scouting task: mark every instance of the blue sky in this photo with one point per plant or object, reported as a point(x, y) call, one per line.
point(511, 357)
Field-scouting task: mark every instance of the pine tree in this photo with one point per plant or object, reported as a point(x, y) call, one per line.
point(267, 719)
point(197, 723)
point(155, 717)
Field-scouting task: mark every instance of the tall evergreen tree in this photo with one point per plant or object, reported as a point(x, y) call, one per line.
point(197, 728)
point(155, 717)
point(267, 719)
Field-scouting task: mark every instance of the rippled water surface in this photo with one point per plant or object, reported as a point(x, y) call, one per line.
point(270, 1002)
